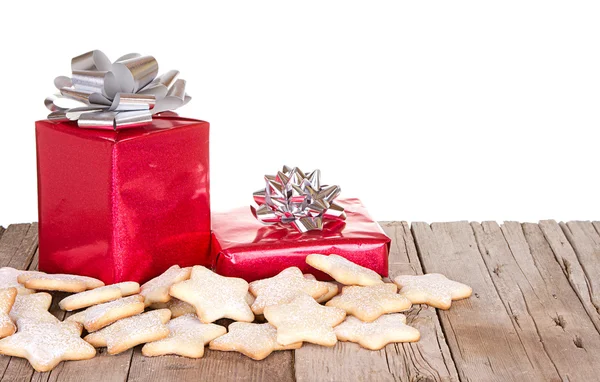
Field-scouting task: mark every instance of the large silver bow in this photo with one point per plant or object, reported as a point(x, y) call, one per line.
point(116, 95)
point(298, 199)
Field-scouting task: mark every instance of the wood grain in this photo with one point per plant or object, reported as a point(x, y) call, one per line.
point(430, 358)
point(480, 331)
point(214, 366)
point(585, 240)
point(427, 360)
point(567, 259)
point(18, 245)
point(534, 315)
point(546, 313)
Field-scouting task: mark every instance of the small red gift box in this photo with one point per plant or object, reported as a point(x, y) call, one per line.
point(123, 205)
point(244, 247)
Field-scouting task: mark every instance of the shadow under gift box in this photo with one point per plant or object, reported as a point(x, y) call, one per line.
point(244, 247)
point(123, 205)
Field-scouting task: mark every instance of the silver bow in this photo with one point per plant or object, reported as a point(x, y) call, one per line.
point(125, 93)
point(298, 199)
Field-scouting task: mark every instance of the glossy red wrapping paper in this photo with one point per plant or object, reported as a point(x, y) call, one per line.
point(123, 205)
point(244, 247)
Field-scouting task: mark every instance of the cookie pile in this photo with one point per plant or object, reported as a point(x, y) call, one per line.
point(175, 313)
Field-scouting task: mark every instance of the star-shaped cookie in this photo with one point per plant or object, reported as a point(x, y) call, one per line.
point(8, 279)
point(176, 306)
point(332, 292)
point(369, 302)
point(214, 296)
point(344, 271)
point(45, 344)
point(432, 289)
point(7, 300)
point(32, 307)
point(306, 320)
point(375, 335)
point(187, 338)
point(98, 316)
point(99, 295)
point(129, 332)
point(256, 341)
point(283, 288)
point(58, 282)
point(157, 289)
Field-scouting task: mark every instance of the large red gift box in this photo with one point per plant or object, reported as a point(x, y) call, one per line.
point(123, 205)
point(244, 247)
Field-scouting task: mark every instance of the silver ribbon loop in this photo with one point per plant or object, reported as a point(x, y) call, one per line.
point(292, 197)
point(124, 93)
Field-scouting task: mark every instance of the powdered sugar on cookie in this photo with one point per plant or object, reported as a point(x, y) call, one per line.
point(129, 332)
point(369, 302)
point(8, 279)
point(304, 319)
point(187, 337)
point(375, 335)
point(283, 288)
point(157, 289)
point(256, 341)
point(432, 289)
point(343, 270)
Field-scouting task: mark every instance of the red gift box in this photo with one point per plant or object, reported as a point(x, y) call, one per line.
point(123, 205)
point(244, 247)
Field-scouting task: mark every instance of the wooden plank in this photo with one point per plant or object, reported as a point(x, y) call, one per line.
point(480, 331)
point(548, 316)
point(585, 240)
point(18, 245)
point(596, 226)
point(213, 366)
point(429, 359)
point(567, 259)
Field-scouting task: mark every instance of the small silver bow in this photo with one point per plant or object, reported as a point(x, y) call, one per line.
point(297, 199)
point(116, 95)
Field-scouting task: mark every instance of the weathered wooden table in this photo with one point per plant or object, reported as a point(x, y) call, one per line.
point(534, 315)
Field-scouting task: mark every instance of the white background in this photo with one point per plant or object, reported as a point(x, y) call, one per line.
point(430, 111)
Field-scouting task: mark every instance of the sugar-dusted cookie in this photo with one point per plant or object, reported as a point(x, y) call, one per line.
point(332, 292)
point(45, 343)
point(8, 279)
point(432, 289)
point(58, 282)
point(32, 307)
point(99, 295)
point(187, 338)
point(176, 306)
point(375, 335)
point(7, 299)
point(214, 296)
point(98, 316)
point(256, 341)
point(129, 332)
point(343, 270)
point(283, 288)
point(367, 303)
point(304, 319)
point(157, 289)
point(250, 298)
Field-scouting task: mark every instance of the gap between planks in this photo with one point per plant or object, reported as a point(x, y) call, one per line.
point(527, 250)
point(426, 360)
point(531, 324)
